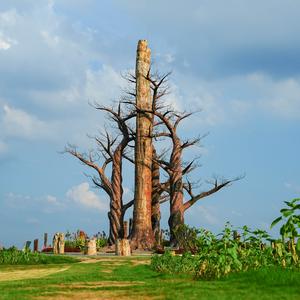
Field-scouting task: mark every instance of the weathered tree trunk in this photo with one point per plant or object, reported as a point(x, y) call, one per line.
point(176, 190)
point(156, 193)
point(142, 234)
point(115, 214)
point(123, 247)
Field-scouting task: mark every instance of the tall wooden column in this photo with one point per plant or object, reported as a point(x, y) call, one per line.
point(142, 235)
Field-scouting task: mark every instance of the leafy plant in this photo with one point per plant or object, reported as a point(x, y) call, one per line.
point(231, 251)
point(290, 216)
point(186, 238)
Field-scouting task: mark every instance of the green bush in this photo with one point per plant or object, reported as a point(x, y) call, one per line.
point(101, 242)
point(227, 252)
point(13, 256)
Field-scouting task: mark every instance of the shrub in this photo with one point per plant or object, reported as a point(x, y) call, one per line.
point(227, 252)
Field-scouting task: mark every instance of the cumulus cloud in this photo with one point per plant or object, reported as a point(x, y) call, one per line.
point(4, 45)
point(108, 79)
point(284, 98)
point(18, 123)
point(221, 40)
point(81, 194)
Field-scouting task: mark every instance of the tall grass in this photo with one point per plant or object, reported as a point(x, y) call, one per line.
point(13, 256)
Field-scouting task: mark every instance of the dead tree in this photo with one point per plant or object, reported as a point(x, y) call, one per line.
point(158, 197)
point(112, 150)
point(156, 89)
point(174, 165)
point(142, 234)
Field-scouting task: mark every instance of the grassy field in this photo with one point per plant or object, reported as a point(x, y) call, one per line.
point(132, 278)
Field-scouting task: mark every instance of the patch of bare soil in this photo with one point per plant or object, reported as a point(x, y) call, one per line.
point(97, 284)
point(74, 291)
point(29, 273)
point(96, 295)
point(140, 262)
point(89, 261)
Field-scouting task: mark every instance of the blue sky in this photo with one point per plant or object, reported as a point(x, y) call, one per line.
point(237, 61)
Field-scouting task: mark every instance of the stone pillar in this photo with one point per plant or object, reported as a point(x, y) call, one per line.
point(123, 247)
point(125, 225)
point(55, 243)
point(142, 234)
point(45, 240)
point(36, 245)
point(91, 247)
point(59, 243)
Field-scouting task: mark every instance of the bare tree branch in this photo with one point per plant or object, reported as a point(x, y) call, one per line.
point(217, 186)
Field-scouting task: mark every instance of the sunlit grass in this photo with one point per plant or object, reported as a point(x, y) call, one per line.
point(120, 278)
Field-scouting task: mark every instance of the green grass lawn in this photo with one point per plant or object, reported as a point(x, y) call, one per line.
point(132, 278)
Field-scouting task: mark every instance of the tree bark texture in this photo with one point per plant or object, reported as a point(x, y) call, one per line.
point(123, 247)
point(116, 215)
point(142, 234)
point(156, 193)
point(176, 188)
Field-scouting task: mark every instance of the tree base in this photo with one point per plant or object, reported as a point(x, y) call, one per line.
point(142, 241)
point(123, 247)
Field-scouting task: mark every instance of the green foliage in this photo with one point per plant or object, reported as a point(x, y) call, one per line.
point(291, 218)
point(227, 252)
point(101, 242)
point(78, 240)
point(290, 228)
point(13, 256)
point(168, 263)
point(186, 238)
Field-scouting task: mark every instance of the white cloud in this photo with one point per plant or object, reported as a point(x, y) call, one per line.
point(46, 204)
point(51, 40)
point(285, 98)
point(103, 85)
point(52, 200)
point(18, 123)
point(6, 42)
point(17, 200)
point(231, 99)
point(8, 18)
point(81, 194)
point(4, 45)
